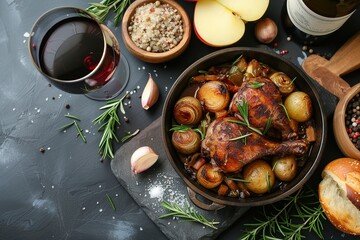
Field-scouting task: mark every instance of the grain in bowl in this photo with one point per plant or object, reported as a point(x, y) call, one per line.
point(156, 27)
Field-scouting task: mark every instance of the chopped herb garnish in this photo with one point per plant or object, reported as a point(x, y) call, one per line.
point(286, 112)
point(66, 126)
point(275, 163)
point(184, 128)
point(130, 135)
point(238, 180)
point(243, 137)
point(268, 124)
point(203, 71)
point(255, 84)
point(268, 181)
point(111, 201)
point(79, 130)
point(237, 60)
point(72, 117)
point(234, 69)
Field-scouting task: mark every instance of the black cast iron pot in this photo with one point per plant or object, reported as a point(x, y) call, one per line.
point(303, 83)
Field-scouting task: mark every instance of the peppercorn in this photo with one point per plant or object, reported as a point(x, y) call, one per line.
point(42, 150)
point(352, 120)
point(67, 106)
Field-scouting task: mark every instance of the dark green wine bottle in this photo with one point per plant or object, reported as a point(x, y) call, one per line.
point(311, 21)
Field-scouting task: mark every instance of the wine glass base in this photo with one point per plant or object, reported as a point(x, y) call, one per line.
point(116, 84)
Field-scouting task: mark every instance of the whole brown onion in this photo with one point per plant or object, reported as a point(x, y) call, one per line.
point(266, 30)
point(186, 142)
point(209, 177)
point(283, 82)
point(214, 95)
point(188, 111)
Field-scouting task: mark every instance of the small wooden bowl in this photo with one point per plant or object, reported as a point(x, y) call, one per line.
point(152, 57)
point(340, 131)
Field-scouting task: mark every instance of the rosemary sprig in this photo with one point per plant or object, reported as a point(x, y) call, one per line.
point(130, 135)
point(184, 128)
point(292, 216)
point(101, 10)
point(244, 112)
point(109, 120)
point(187, 215)
point(111, 201)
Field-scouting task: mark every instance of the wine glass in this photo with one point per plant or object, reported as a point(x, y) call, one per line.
point(78, 54)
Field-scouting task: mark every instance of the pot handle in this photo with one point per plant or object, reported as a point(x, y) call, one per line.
point(210, 207)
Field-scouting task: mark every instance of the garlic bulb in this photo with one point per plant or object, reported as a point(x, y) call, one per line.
point(142, 159)
point(150, 94)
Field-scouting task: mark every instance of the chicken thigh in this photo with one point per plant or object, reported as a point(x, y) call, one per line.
point(263, 99)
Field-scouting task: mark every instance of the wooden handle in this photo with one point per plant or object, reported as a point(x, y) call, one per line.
point(347, 58)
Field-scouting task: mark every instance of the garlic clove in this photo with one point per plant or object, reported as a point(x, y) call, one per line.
point(142, 159)
point(150, 94)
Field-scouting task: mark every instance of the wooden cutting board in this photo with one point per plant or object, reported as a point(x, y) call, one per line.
point(328, 72)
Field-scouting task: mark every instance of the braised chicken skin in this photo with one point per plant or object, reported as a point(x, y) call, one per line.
point(230, 153)
point(263, 98)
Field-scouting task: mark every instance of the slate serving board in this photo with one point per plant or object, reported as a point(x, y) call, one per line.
point(162, 183)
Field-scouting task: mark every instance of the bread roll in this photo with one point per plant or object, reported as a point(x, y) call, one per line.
point(339, 194)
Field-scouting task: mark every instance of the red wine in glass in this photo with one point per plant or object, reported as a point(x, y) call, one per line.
point(77, 54)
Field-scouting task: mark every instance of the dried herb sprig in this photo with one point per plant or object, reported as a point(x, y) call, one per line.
point(186, 214)
point(109, 120)
point(292, 216)
point(101, 10)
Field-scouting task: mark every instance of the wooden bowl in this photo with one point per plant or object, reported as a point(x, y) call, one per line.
point(340, 131)
point(153, 57)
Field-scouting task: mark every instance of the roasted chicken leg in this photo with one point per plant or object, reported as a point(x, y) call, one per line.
point(230, 153)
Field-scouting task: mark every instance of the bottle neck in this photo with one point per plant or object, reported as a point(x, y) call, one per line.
point(310, 22)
